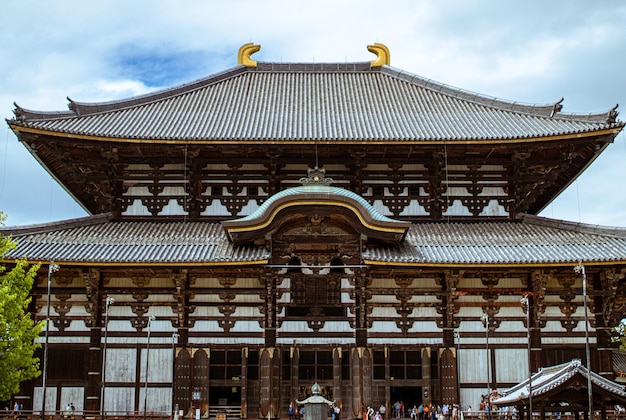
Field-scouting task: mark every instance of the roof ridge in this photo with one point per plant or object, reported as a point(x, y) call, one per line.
point(612, 231)
point(17, 231)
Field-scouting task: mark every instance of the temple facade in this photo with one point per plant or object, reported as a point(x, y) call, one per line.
point(277, 225)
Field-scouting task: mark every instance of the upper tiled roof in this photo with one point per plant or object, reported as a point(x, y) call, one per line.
point(531, 240)
point(319, 102)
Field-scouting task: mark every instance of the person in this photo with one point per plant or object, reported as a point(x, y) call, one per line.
point(337, 410)
point(68, 411)
point(291, 412)
point(382, 410)
point(370, 412)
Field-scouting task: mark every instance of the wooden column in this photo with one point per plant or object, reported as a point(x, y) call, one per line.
point(95, 308)
point(605, 287)
point(426, 388)
point(244, 382)
point(337, 355)
point(269, 381)
point(361, 310)
point(270, 309)
point(295, 374)
point(361, 375)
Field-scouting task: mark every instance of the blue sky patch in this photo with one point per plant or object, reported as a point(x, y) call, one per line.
point(160, 68)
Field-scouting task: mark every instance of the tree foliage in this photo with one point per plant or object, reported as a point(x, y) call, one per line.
point(18, 330)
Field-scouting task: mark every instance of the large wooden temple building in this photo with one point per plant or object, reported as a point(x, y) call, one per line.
point(277, 225)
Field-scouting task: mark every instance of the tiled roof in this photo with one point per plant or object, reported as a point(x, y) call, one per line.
point(528, 241)
point(550, 378)
point(535, 240)
point(98, 240)
point(320, 102)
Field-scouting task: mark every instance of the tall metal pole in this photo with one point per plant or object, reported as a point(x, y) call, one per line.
point(174, 337)
point(526, 301)
point(109, 301)
point(485, 320)
point(580, 269)
point(457, 335)
point(52, 268)
point(145, 393)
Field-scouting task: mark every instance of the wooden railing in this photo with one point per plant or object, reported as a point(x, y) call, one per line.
point(217, 412)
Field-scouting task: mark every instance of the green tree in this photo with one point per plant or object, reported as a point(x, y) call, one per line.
point(18, 330)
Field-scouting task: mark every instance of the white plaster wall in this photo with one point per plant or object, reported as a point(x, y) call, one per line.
point(511, 365)
point(160, 369)
point(119, 400)
point(75, 395)
point(120, 365)
point(473, 366)
point(51, 398)
point(471, 397)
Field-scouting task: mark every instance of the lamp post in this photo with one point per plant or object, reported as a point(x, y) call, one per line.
point(174, 337)
point(580, 269)
point(485, 321)
point(52, 268)
point(457, 336)
point(108, 302)
point(145, 393)
point(526, 303)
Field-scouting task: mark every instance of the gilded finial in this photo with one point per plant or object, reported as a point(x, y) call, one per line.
point(243, 56)
point(382, 53)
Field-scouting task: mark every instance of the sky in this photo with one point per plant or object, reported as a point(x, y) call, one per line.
point(531, 51)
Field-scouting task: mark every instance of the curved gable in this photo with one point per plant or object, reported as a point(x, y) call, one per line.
point(311, 198)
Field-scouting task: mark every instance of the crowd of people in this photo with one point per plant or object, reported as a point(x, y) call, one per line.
point(421, 412)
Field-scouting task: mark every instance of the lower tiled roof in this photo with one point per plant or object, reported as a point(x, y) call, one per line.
point(530, 240)
point(549, 378)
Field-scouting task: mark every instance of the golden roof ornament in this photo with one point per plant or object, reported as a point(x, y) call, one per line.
point(383, 57)
point(243, 56)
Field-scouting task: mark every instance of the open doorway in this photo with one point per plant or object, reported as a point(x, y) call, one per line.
point(224, 395)
point(408, 395)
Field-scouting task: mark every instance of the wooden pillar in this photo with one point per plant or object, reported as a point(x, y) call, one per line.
point(361, 375)
point(337, 356)
point(607, 283)
point(426, 388)
point(388, 407)
point(244, 382)
point(361, 310)
point(269, 401)
point(95, 308)
point(270, 310)
point(295, 374)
